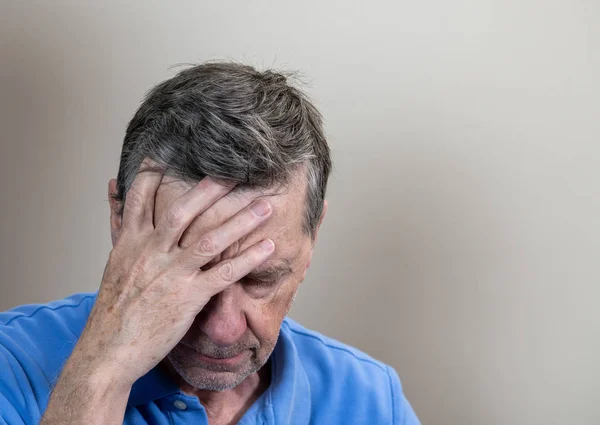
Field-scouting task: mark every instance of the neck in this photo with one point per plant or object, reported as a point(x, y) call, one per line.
point(228, 407)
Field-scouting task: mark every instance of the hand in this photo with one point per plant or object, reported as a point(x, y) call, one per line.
point(152, 288)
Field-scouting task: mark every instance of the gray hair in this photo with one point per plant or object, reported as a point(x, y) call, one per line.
point(233, 123)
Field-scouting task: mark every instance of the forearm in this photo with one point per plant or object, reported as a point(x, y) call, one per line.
point(86, 396)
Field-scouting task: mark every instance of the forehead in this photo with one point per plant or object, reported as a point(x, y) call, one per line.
point(284, 226)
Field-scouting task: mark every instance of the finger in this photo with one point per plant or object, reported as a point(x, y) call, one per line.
point(230, 271)
point(216, 215)
point(216, 241)
point(138, 210)
point(181, 212)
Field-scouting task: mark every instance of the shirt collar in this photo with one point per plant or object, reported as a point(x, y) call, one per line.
point(152, 386)
point(289, 396)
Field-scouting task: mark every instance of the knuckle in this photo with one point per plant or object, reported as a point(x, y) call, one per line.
point(175, 216)
point(226, 272)
point(206, 247)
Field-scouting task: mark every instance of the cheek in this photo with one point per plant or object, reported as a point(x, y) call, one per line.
point(266, 314)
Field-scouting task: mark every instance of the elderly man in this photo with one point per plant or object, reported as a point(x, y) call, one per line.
point(214, 216)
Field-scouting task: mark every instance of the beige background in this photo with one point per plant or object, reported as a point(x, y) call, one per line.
point(463, 238)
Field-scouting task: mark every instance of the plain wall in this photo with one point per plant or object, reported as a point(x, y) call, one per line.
point(462, 242)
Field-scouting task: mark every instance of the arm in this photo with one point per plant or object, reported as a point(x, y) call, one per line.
point(86, 395)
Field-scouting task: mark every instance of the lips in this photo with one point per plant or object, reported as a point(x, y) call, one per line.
point(219, 361)
point(222, 360)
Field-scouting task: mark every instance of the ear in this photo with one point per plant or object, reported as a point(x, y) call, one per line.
point(115, 207)
point(314, 241)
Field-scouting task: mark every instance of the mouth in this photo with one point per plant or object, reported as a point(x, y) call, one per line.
point(221, 361)
point(225, 361)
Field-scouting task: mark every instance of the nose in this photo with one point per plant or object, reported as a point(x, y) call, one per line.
point(222, 320)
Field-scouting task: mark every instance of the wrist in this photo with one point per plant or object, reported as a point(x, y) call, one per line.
point(87, 395)
point(99, 371)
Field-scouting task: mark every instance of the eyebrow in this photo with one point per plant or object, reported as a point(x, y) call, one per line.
point(270, 272)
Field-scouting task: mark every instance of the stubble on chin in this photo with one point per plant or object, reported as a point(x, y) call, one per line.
point(211, 377)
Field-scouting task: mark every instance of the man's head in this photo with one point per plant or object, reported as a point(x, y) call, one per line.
point(235, 124)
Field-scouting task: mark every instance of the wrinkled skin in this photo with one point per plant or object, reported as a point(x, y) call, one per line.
point(241, 322)
point(244, 319)
point(189, 283)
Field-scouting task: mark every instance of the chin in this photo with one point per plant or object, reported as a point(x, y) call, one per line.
point(210, 380)
point(212, 377)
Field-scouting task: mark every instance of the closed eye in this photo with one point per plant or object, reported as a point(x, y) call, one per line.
point(259, 283)
point(266, 276)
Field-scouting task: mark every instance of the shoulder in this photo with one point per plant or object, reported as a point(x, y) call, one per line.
point(35, 341)
point(313, 346)
point(365, 389)
point(59, 309)
point(43, 331)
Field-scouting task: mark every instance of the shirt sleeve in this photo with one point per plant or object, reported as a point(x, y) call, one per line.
point(8, 415)
point(403, 412)
point(13, 398)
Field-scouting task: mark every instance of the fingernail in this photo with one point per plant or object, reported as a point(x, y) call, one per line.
point(266, 245)
point(261, 208)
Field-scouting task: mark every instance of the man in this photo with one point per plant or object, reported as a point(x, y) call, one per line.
point(214, 216)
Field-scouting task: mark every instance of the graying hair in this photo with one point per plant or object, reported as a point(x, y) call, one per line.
point(233, 123)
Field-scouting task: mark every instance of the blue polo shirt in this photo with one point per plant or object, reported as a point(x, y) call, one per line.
point(314, 379)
